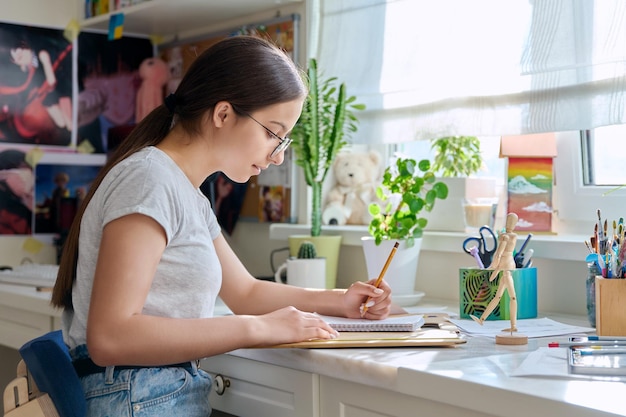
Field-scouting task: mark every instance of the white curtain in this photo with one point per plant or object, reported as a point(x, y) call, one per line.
point(431, 68)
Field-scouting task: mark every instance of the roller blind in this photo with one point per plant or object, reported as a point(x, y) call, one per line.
point(428, 68)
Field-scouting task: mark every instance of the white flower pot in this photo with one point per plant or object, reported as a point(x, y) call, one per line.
point(327, 247)
point(402, 270)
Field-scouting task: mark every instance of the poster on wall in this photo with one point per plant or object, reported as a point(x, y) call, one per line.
point(108, 81)
point(271, 203)
point(263, 199)
point(61, 183)
point(45, 166)
point(16, 191)
point(40, 191)
point(226, 197)
point(35, 86)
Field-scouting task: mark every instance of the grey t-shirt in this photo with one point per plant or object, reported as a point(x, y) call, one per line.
point(189, 275)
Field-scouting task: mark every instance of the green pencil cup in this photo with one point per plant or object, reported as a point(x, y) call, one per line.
point(475, 293)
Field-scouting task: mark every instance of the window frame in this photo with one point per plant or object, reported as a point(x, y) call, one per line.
point(576, 203)
point(586, 152)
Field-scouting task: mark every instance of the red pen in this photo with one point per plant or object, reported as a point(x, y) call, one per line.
point(590, 343)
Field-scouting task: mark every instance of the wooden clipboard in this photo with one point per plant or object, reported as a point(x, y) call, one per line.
point(419, 338)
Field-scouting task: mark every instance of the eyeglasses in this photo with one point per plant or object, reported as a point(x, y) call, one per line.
point(284, 142)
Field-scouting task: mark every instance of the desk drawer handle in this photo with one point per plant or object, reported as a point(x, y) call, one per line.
point(221, 384)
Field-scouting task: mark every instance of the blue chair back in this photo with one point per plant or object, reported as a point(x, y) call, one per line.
point(48, 361)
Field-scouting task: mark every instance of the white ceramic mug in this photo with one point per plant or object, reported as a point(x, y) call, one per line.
point(306, 273)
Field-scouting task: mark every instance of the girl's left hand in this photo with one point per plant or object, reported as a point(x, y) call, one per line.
point(379, 305)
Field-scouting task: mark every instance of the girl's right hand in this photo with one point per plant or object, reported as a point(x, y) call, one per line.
point(290, 325)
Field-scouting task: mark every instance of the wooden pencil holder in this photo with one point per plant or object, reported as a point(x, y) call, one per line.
point(610, 306)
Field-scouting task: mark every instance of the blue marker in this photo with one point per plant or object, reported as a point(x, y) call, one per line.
point(520, 258)
point(607, 338)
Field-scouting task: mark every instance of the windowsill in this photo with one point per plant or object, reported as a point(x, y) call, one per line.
point(548, 246)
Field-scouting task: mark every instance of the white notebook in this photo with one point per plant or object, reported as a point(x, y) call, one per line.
point(404, 323)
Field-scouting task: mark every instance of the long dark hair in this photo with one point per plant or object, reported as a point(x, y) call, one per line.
point(248, 72)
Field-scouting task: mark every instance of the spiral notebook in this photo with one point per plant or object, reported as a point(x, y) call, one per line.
point(403, 323)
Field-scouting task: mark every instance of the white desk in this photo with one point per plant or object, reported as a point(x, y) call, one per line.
point(25, 313)
point(468, 380)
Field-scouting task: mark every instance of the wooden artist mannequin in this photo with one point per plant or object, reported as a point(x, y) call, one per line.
point(503, 262)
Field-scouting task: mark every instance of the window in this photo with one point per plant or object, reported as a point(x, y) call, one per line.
point(604, 150)
point(493, 165)
point(423, 72)
point(545, 68)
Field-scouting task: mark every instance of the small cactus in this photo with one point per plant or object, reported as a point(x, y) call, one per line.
point(307, 250)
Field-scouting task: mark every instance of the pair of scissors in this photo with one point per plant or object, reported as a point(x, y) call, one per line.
point(486, 248)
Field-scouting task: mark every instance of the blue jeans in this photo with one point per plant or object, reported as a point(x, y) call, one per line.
point(147, 392)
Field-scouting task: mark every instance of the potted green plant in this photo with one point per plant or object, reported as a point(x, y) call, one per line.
point(408, 190)
point(472, 200)
point(326, 122)
point(415, 186)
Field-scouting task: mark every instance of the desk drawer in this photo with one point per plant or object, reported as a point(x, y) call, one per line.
point(339, 398)
point(19, 326)
point(259, 389)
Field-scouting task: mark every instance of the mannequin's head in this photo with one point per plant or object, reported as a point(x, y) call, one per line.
point(511, 222)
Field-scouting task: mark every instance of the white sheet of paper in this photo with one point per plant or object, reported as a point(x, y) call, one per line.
point(552, 362)
point(544, 362)
point(543, 327)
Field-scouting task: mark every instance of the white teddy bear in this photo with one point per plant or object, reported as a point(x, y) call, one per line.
point(355, 188)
